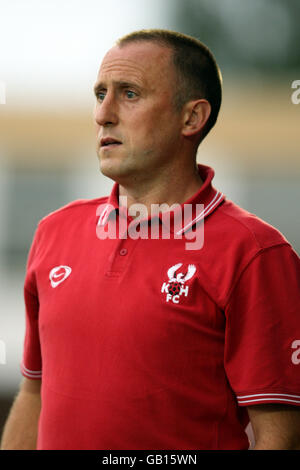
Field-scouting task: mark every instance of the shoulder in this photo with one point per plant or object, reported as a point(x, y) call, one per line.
point(73, 211)
point(244, 227)
point(236, 242)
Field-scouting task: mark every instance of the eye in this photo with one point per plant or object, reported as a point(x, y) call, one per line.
point(100, 95)
point(130, 94)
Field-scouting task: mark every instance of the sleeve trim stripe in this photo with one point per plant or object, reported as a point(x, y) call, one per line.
point(31, 376)
point(272, 400)
point(267, 395)
point(31, 373)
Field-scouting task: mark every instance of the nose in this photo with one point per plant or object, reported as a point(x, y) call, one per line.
point(106, 111)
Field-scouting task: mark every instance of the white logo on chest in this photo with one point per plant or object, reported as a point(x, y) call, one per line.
point(175, 287)
point(59, 274)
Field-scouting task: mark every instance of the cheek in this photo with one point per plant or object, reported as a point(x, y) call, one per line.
point(152, 122)
point(148, 126)
point(142, 127)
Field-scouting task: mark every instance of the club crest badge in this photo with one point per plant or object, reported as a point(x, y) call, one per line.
point(175, 287)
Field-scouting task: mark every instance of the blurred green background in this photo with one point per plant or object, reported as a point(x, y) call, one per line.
point(49, 57)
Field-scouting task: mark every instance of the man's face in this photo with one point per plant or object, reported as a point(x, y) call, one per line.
point(138, 130)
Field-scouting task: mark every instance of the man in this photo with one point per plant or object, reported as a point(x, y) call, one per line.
point(142, 342)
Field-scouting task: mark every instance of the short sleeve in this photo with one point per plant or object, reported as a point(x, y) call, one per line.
point(262, 338)
point(31, 364)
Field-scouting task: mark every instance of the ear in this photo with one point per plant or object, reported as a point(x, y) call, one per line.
point(196, 115)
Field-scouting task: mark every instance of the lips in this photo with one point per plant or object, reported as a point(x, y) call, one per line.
point(108, 142)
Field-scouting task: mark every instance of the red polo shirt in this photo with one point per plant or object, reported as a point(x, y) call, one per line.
point(145, 344)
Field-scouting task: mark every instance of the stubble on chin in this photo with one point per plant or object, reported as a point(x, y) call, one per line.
point(126, 168)
point(114, 168)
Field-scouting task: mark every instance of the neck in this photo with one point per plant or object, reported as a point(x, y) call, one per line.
point(168, 187)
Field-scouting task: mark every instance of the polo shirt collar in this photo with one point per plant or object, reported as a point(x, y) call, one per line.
point(208, 197)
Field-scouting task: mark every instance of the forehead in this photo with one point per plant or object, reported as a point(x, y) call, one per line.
point(141, 61)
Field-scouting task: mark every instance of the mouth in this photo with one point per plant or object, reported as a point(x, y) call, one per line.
point(109, 142)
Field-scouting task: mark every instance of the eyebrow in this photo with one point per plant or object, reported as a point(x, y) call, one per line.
point(122, 84)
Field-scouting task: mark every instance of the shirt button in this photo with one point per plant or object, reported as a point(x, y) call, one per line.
point(123, 252)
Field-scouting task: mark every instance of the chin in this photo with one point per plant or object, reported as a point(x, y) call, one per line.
point(113, 169)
